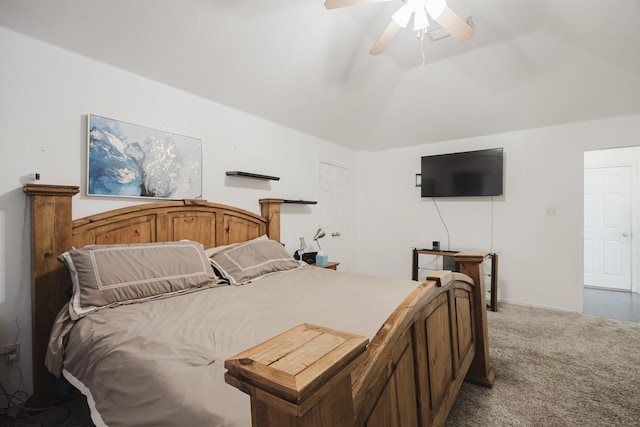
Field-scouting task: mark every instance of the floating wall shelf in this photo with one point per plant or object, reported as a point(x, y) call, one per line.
point(252, 175)
point(301, 202)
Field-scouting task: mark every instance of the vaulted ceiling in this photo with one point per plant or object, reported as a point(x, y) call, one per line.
point(532, 63)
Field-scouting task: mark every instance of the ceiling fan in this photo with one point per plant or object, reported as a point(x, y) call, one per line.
point(438, 10)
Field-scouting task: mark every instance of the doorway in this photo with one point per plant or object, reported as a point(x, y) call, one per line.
point(610, 269)
point(607, 227)
point(333, 202)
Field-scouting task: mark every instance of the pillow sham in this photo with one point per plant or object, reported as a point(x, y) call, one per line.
point(211, 251)
point(110, 275)
point(249, 261)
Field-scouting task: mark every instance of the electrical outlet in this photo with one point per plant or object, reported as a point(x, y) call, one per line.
point(11, 353)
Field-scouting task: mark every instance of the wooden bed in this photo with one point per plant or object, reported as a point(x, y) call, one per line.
point(409, 374)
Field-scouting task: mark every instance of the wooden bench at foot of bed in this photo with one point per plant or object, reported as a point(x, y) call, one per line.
point(409, 375)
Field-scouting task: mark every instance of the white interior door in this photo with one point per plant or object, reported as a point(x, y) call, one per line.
point(607, 227)
point(332, 200)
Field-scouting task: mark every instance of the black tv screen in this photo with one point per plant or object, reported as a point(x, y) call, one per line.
point(471, 173)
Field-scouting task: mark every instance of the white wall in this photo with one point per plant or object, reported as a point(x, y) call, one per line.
point(541, 256)
point(46, 94)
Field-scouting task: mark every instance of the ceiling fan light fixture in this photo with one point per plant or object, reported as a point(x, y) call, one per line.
point(425, 12)
point(435, 7)
point(402, 16)
point(420, 20)
point(415, 5)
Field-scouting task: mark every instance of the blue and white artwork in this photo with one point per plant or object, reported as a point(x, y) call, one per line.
point(135, 161)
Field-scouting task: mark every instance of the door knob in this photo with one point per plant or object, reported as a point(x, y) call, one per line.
point(625, 234)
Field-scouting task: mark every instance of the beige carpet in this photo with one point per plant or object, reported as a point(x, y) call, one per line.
point(555, 369)
point(552, 369)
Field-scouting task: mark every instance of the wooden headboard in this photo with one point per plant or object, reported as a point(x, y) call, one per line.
point(53, 232)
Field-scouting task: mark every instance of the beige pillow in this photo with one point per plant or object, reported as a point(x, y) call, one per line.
point(214, 250)
point(249, 261)
point(110, 275)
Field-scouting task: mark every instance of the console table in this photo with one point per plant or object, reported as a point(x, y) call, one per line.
point(449, 264)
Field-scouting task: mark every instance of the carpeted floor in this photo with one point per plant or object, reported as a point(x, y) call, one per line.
point(555, 369)
point(552, 369)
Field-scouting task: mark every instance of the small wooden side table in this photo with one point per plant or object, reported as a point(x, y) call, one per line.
point(331, 265)
point(493, 276)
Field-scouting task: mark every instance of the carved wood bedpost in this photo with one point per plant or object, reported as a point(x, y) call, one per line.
point(481, 371)
point(51, 217)
point(271, 211)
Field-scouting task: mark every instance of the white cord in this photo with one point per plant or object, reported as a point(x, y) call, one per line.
point(421, 37)
point(443, 223)
point(491, 230)
point(22, 289)
point(26, 237)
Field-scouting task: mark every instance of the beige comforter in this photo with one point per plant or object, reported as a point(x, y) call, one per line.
point(161, 362)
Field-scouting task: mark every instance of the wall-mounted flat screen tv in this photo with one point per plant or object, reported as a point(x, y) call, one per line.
point(470, 173)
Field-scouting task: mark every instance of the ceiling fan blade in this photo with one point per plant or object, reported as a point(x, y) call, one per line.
point(334, 4)
point(455, 25)
point(383, 41)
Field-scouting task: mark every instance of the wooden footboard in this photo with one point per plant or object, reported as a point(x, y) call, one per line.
point(408, 375)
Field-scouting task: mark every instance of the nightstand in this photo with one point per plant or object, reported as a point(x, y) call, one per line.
point(332, 265)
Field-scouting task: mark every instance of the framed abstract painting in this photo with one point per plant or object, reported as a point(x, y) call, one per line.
point(128, 160)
